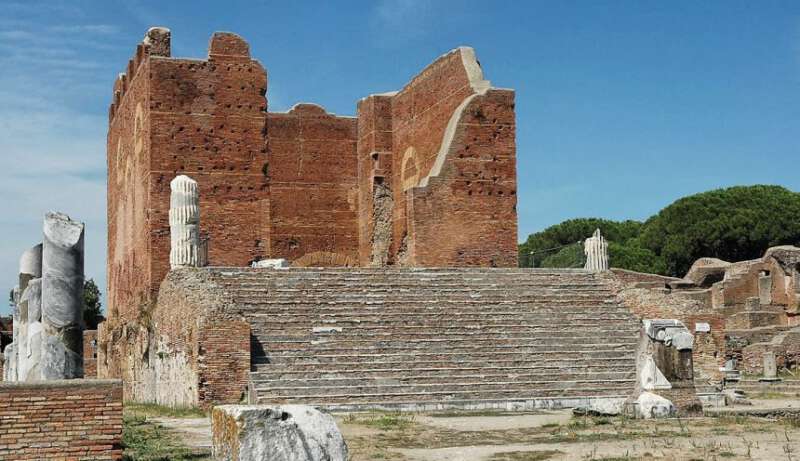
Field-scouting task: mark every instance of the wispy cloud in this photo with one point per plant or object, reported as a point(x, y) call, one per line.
point(97, 29)
point(53, 143)
point(401, 19)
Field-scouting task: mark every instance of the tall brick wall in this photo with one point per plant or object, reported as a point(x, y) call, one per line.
point(203, 118)
point(467, 215)
point(312, 183)
point(71, 419)
point(445, 147)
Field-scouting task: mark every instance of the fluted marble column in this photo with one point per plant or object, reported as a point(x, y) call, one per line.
point(184, 222)
point(596, 250)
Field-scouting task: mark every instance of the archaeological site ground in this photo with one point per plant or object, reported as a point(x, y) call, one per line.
point(305, 285)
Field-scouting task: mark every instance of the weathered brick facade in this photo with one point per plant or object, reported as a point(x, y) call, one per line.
point(190, 349)
point(309, 186)
point(61, 420)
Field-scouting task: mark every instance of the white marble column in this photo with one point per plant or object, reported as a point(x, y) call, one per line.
point(62, 298)
point(184, 222)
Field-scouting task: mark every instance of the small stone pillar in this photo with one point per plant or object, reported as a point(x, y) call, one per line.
point(184, 223)
point(770, 367)
point(765, 289)
point(596, 250)
point(62, 298)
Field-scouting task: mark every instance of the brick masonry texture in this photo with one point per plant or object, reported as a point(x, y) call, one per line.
point(61, 420)
point(90, 354)
point(301, 185)
point(190, 349)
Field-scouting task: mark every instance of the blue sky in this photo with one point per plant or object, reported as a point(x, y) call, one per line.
point(622, 106)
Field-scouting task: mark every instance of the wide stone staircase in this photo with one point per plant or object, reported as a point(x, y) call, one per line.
point(433, 338)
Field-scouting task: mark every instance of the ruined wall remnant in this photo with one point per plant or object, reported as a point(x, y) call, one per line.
point(596, 250)
point(737, 310)
point(665, 370)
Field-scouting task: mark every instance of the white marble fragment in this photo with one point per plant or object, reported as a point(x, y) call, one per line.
point(650, 405)
point(62, 298)
point(651, 378)
point(271, 264)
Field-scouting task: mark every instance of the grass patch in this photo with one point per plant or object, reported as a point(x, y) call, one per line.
point(525, 455)
point(153, 410)
point(487, 412)
point(382, 421)
point(144, 440)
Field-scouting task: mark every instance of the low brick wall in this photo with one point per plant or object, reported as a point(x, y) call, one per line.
point(70, 419)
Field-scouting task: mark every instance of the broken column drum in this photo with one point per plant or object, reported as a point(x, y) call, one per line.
point(184, 222)
point(29, 352)
point(30, 269)
point(596, 250)
point(62, 298)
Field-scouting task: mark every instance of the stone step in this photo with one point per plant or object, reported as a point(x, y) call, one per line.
point(456, 334)
point(471, 386)
point(264, 382)
point(502, 314)
point(343, 363)
point(462, 356)
point(352, 338)
point(445, 345)
point(403, 370)
point(483, 304)
point(354, 396)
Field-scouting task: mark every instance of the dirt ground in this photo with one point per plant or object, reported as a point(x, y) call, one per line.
point(551, 435)
point(557, 435)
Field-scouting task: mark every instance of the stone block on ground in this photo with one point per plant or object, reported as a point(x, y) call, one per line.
point(650, 405)
point(275, 433)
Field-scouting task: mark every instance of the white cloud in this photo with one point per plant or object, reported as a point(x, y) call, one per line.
point(401, 19)
point(52, 147)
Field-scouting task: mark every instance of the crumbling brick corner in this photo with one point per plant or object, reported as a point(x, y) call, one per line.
point(190, 350)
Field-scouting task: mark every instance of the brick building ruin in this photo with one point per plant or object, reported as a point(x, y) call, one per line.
point(400, 228)
point(420, 177)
